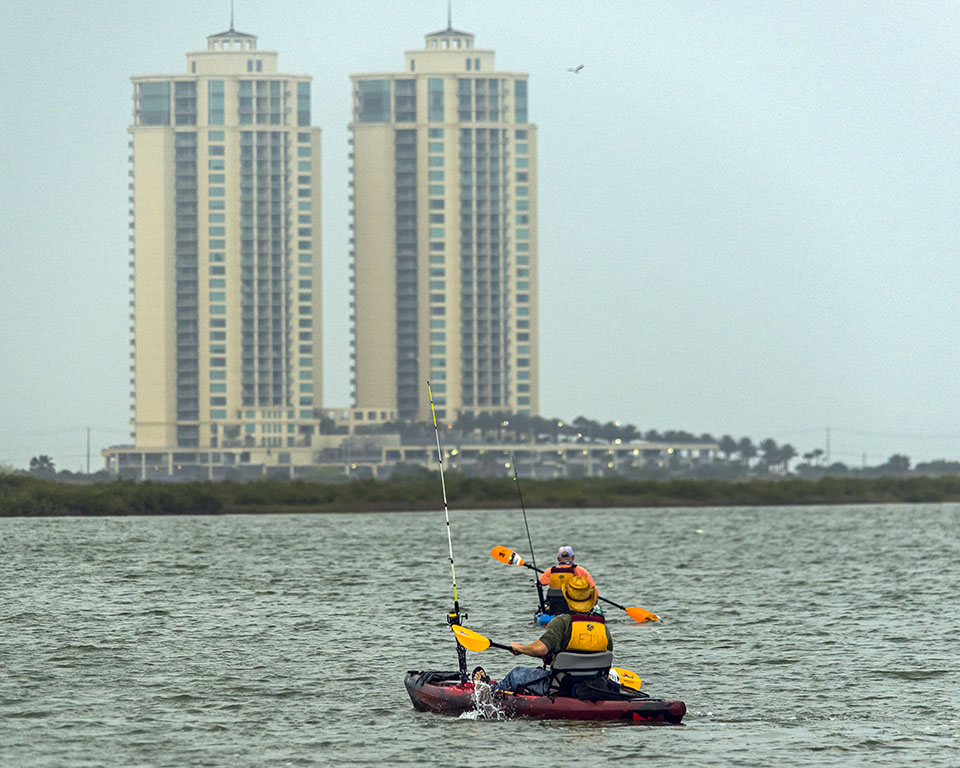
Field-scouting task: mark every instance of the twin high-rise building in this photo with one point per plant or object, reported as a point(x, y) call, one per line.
point(226, 253)
point(445, 239)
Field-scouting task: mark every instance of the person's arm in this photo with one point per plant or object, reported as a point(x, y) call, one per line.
point(536, 649)
point(550, 641)
point(545, 577)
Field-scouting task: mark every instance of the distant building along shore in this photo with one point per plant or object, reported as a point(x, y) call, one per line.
point(226, 263)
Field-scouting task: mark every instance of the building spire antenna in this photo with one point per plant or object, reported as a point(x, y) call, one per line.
point(231, 15)
point(449, 14)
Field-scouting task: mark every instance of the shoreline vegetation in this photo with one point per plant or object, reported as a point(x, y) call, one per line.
point(23, 496)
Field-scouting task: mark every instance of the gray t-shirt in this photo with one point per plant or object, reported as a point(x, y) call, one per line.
point(558, 632)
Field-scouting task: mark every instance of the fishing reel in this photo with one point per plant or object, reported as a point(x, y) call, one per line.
point(455, 617)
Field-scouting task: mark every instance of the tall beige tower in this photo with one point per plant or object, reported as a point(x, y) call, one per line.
point(445, 238)
point(225, 194)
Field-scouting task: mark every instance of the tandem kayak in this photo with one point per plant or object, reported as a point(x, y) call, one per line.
point(443, 693)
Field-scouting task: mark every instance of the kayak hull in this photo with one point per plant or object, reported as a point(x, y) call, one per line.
point(443, 693)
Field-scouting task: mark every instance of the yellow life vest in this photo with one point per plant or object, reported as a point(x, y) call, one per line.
point(587, 634)
point(560, 573)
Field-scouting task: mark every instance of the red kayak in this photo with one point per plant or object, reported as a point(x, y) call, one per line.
point(443, 693)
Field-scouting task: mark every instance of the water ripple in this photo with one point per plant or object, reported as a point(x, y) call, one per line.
point(796, 636)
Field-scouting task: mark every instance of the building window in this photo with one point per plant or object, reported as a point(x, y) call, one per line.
point(405, 101)
point(373, 101)
point(435, 100)
point(153, 104)
point(185, 99)
point(303, 103)
point(215, 105)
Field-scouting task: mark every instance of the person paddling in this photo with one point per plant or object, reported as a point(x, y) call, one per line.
point(554, 577)
point(582, 629)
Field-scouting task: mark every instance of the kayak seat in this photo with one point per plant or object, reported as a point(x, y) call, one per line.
point(556, 603)
point(571, 668)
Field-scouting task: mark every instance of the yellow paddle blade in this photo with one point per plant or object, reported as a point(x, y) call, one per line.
point(628, 679)
point(505, 555)
point(638, 614)
point(469, 639)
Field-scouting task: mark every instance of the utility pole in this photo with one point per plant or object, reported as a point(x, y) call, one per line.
point(88, 450)
point(828, 447)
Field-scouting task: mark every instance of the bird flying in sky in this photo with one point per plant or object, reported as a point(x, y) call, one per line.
point(576, 69)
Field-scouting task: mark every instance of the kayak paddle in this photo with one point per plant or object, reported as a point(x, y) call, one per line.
point(510, 557)
point(628, 679)
point(474, 641)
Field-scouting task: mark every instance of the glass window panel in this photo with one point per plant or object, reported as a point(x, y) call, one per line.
point(303, 103)
point(374, 101)
point(435, 100)
point(153, 103)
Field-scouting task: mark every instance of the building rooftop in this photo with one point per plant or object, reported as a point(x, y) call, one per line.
point(450, 32)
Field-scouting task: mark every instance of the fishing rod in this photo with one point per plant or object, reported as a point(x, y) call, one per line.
point(533, 557)
point(453, 617)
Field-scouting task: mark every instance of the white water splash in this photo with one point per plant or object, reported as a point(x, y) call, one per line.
point(486, 706)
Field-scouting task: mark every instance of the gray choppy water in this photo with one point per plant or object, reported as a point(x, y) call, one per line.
point(800, 636)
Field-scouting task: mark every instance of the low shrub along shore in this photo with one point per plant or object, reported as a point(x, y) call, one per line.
point(24, 496)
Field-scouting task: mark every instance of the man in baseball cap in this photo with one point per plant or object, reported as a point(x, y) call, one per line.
point(554, 577)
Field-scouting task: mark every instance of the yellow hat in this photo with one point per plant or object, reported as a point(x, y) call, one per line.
point(579, 594)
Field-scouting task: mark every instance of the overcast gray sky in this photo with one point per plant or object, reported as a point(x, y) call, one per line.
point(748, 210)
